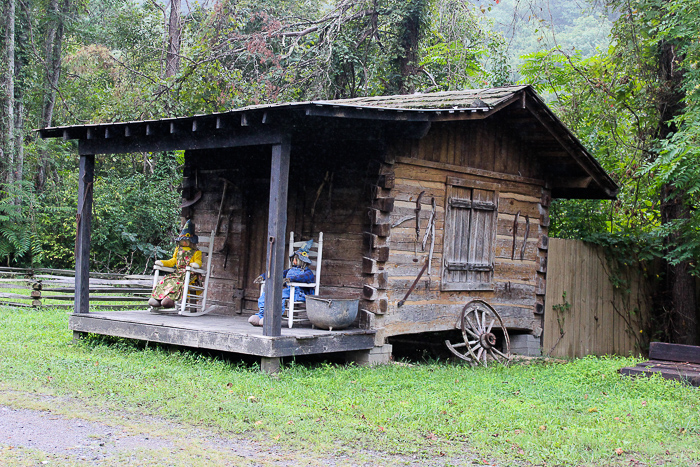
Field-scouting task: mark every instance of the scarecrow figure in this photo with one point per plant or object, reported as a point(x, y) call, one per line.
point(169, 289)
point(299, 272)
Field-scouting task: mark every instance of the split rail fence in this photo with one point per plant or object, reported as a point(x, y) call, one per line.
point(56, 288)
point(585, 314)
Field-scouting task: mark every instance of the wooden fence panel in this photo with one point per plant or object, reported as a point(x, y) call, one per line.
point(584, 313)
point(56, 288)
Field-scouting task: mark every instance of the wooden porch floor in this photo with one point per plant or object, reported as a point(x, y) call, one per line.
point(223, 333)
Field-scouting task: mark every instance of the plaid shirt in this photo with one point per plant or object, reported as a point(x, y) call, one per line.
point(299, 275)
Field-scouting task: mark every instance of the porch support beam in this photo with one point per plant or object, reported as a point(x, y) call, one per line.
point(276, 233)
point(270, 365)
point(160, 138)
point(86, 175)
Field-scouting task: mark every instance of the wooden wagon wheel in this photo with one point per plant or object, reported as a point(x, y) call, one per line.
point(478, 321)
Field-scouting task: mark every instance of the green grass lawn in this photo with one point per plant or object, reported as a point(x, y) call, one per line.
point(576, 413)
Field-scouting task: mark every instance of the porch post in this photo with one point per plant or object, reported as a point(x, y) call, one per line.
point(276, 233)
point(82, 237)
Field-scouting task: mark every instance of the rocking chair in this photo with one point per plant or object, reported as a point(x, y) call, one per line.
point(194, 296)
point(316, 257)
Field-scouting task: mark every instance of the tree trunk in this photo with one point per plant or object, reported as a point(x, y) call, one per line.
point(410, 34)
point(680, 284)
point(18, 172)
point(7, 84)
point(172, 59)
point(57, 11)
point(54, 42)
point(681, 302)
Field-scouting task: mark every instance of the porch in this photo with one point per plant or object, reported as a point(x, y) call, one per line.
point(223, 333)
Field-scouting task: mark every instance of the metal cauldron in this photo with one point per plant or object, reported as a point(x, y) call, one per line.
point(331, 313)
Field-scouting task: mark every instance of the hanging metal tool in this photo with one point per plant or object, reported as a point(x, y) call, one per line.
point(413, 286)
point(515, 233)
point(527, 233)
point(430, 230)
point(221, 204)
point(187, 192)
point(418, 221)
point(430, 226)
point(402, 220)
point(225, 249)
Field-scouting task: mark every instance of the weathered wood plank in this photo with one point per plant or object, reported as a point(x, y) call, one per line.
point(228, 334)
point(678, 372)
point(276, 231)
point(86, 175)
point(591, 312)
point(514, 206)
point(674, 352)
point(435, 171)
point(21, 296)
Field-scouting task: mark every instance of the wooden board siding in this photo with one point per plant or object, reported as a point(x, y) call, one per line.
point(595, 318)
point(482, 144)
point(340, 212)
point(474, 153)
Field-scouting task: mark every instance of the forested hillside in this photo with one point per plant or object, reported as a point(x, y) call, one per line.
point(623, 76)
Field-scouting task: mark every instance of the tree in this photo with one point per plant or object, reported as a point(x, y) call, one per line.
point(7, 85)
point(635, 104)
point(172, 58)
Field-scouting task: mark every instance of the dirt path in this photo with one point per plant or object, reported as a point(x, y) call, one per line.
point(38, 430)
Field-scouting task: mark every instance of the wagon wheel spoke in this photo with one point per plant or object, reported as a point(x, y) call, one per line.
point(475, 335)
point(485, 337)
point(454, 349)
point(493, 355)
point(484, 317)
point(468, 320)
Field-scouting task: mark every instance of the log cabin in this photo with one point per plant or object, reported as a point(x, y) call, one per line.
point(426, 202)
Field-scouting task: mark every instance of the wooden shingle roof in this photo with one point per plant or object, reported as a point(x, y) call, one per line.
point(563, 155)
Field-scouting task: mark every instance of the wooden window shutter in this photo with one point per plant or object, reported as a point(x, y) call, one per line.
point(469, 236)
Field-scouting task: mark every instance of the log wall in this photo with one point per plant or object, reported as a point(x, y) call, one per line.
point(357, 193)
point(328, 192)
point(475, 152)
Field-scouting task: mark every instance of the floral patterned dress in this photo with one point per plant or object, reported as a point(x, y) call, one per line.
point(172, 284)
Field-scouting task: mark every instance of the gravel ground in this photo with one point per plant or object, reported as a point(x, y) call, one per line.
point(42, 430)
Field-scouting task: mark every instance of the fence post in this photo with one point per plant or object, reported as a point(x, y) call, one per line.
point(36, 293)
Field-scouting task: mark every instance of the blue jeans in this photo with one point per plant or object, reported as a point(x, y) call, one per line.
point(299, 296)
